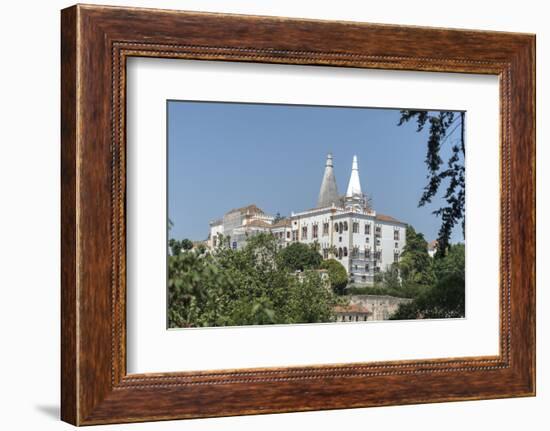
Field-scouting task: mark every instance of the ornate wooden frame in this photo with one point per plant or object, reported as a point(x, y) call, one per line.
point(95, 42)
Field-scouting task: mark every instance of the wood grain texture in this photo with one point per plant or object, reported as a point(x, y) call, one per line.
point(96, 41)
point(69, 366)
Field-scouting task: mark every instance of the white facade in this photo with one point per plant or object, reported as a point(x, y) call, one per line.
point(363, 242)
point(344, 228)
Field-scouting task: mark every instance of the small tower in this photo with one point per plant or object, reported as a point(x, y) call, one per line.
point(328, 195)
point(354, 196)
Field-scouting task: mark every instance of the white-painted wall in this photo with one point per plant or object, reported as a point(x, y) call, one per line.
point(215, 231)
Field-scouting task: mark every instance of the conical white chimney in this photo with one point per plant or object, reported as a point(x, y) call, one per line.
point(354, 185)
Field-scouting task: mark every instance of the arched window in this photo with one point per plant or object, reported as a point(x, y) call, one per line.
point(345, 251)
point(336, 227)
point(340, 253)
point(345, 225)
point(341, 227)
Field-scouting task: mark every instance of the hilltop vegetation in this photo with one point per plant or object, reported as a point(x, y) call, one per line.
point(253, 286)
point(259, 285)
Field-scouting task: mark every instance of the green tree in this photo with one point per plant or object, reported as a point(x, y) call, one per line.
point(442, 125)
point(250, 286)
point(310, 302)
point(176, 247)
point(390, 278)
point(446, 299)
point(299, 257)
point(337, 274)
point(193, 285)
point(452, 264)
point(186, 244)
point(415, 265)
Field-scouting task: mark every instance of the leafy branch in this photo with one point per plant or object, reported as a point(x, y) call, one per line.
point(442, 125)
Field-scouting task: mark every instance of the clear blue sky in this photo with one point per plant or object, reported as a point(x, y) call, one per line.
point(228, 155)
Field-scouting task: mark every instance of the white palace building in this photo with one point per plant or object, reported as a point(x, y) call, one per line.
point(344, 227)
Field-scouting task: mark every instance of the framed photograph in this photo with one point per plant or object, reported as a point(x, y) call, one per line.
point(264, 215)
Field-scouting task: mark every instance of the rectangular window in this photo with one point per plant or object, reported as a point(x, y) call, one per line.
point(288, 235)
point(355, 227)
point(304, 232)
point(396, 235)
point(325, 228)
point(315, 230)
point(396, 257)
point(367, 229)
point(367, 254)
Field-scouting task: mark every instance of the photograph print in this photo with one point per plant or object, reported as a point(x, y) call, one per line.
point(299, 214)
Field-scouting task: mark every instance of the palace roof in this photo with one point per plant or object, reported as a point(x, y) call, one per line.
point(353, 308)
point(257, 223)
point(282, 223)
point(384, 217)
point(249, 209)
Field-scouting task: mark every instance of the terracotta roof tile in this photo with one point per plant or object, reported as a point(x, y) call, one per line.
point(282, 223)
point(384, 217)
point(432, 245)
point(355, 308)
point(257, 223)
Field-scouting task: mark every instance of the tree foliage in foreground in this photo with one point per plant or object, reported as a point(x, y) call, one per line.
point(446, 298)
point(299, 257)
point(337, 275)
point(177, 247)
point(435, 285)
point(410, 277)
point(415, 265)
point(442, 125)
point(252, 286)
